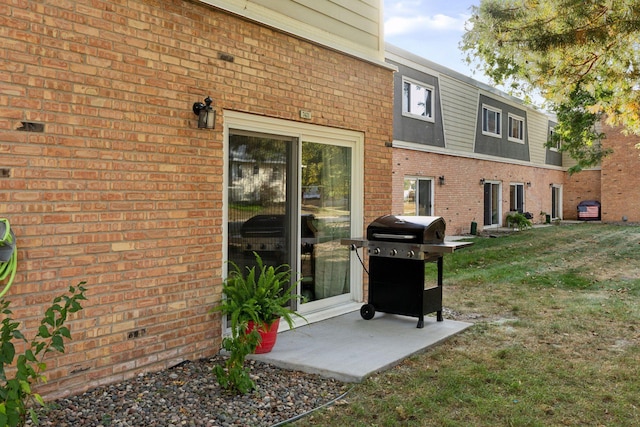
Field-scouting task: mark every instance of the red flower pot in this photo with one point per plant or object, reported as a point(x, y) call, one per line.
point(268, 335)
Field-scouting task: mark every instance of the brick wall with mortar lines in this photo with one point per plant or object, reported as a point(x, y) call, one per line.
point(121, 190)
point(461, 199)
point(584, 185)
point(621, 178)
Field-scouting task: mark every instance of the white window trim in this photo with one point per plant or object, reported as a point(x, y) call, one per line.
point(433, 94)
point(521, 119)
point(499, 124)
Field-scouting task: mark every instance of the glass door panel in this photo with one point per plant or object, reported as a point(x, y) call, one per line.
point(491, 204)
point(326, 219)
point(424, 197)
point(418, 197)
point(556, 202)
point(258, 210)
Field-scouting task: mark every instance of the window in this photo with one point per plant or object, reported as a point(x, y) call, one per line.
point(516, 198)
point(516, 129)
point(417, 100)
point(554, 143)
point(491, 121)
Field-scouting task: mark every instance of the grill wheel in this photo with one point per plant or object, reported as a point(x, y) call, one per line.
point(367, 311)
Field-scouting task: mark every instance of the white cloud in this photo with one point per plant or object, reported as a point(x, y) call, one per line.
point(399, 25)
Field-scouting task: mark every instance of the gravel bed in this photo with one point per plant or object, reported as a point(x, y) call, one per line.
point(189, 395)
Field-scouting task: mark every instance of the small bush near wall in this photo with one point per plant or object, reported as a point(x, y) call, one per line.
point(17, 397)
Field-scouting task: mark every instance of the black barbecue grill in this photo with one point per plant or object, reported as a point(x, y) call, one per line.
point(398, 248)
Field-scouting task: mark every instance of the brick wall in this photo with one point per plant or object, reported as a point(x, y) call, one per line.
point(621, 178)
point(584, 185)
point(121, 190)
point(461, 199)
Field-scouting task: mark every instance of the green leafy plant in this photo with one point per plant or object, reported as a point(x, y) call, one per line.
point(234, 376)
point(518, 220)
point(260, 294)
point(16, 394)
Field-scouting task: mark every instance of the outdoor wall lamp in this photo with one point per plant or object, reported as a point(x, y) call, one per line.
point(441, 180)
point(481, 181)
point(528, 183)
point(551, 185)
point(206, 114)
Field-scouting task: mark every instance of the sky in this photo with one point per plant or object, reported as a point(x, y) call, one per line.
point(431, 29)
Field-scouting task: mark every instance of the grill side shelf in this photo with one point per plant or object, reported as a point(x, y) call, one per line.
point(445, 248)
point(357, 242)
point(440, 248)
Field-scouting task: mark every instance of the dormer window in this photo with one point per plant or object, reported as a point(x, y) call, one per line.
point(491, 121)
point(417, 100)
point(516, 129)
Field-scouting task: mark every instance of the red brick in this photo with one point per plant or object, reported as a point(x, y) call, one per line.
point(123, 191)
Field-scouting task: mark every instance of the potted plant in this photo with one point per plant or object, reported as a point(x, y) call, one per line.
point(259, 296)
point(255, 301)
point(518, 221)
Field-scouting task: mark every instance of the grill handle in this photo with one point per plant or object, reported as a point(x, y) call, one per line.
point(394, 236)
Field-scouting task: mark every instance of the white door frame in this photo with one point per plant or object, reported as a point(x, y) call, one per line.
point(234, 120)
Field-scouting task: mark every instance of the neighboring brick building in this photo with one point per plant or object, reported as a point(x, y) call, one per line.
point(620, 181)
point(468, 152)
point(111, 182)
point(471, 154)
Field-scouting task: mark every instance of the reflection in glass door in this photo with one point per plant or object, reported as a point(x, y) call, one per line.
point(259, 215)
point(418, 196)
point(326, 209)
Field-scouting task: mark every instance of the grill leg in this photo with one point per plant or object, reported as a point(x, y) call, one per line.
point(440, 266)
point(420, 321)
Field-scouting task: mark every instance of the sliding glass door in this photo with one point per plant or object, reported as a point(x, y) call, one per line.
point(289, 199)
point(492, 213)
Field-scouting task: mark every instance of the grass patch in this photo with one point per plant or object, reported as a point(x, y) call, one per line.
point(555, 341)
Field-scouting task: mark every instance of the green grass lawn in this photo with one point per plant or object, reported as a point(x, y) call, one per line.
point(555, 341)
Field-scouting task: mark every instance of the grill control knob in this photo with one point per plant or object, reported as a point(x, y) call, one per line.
point(376, 251)
point(393, 252)
point(411, 254)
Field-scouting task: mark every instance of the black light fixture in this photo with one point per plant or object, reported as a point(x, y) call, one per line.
point(482, 181)
point(441, 180)
point(206, 114)
point(528, 183)
point(551, 185)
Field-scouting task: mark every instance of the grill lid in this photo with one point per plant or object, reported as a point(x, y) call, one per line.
point(407, 229)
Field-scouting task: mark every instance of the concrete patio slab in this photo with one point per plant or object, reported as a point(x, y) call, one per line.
point(349, 348)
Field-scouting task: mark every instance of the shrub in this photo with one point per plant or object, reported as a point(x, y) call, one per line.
point(16, 395)
point(261, 294)
point(518, 220)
